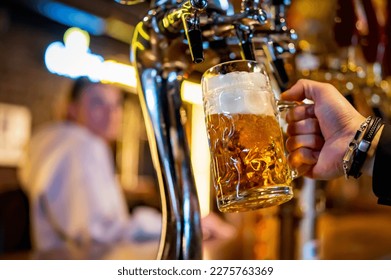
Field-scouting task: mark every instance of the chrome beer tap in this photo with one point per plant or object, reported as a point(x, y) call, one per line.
point(236, 29)
point(185, 18)
point(160, 59)
point(262, 36)
point(167, 45)
point(277, 42)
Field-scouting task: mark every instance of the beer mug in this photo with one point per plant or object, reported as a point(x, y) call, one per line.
point(248, 159)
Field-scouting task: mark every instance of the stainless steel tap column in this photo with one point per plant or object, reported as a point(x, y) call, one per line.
point(160, 60)
point(165, 45)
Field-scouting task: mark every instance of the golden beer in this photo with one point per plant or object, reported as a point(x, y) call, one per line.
point(248, 159)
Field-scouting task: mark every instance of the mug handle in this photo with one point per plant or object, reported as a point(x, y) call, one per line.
point(282, 107)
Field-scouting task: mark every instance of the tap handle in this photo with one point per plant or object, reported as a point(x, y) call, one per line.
point(281, 75)
point(194, 34)
point(186, 18)
point(245, 41)
point(280, 2)
point(194, 38)
point(277, 64)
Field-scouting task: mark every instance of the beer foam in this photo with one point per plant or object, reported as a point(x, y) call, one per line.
point(239, 93)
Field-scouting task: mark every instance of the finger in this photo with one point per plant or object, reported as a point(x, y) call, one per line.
point(304, 170)
point(303, 89)
point(300, 113)
point(306, 126)
point(303, 160)
point(296, 92)
point(302, 156)
point(311, 141)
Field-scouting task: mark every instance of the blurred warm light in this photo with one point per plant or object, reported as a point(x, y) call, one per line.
point(77, 39)
point(200, 158)
point(71, 62)
point(304, 45)
point(120, 73)
point(307, 61)
point(73, 59)
point(119, 30)
point(385, 85)
point(15, 126)
point(191, 93)
point(350, 86)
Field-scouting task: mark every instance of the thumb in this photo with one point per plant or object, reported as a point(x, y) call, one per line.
point(295, 93)
point(303, 89)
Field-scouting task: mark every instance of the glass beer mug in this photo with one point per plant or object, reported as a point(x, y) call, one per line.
point(248, 159)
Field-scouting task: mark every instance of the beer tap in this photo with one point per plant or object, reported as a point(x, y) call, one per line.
point(166, 45)
point(244, 29)
point(251, 26)
point(186, 18)
point(278, 11)
point(159, 55)
point(277, 41)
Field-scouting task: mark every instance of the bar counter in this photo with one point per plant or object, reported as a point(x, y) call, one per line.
point(218, 249)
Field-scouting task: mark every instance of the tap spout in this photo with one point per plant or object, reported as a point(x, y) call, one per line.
point(186, 19)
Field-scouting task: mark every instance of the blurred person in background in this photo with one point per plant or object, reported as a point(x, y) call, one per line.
point(69, 176)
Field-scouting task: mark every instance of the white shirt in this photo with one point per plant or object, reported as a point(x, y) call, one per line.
point(74, 196)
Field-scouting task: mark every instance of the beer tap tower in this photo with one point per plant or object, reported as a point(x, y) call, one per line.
point(166, 44)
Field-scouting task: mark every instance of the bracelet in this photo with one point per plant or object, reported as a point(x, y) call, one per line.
point(361, 152)
point(358, 148)
point(347, 160)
